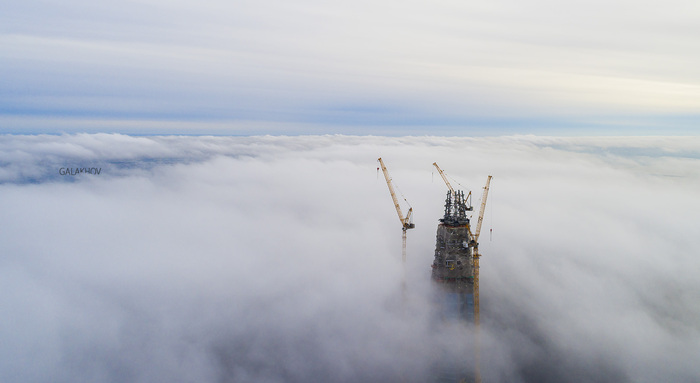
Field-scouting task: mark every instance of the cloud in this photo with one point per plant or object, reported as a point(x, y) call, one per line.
point(388, 63)
point(276, 259)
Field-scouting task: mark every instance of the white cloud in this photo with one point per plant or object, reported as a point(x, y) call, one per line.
point(277, 258)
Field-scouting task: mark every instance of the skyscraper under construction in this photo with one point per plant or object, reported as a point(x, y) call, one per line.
point(456, 272)
point(453, 264)
point(454, 276)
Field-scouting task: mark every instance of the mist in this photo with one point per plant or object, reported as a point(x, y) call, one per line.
point(277, 259)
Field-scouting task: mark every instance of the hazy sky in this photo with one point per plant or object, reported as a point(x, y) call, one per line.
point(383, 67)
point(276, 259)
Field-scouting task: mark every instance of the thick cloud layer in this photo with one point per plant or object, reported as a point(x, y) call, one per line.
point(276, 259)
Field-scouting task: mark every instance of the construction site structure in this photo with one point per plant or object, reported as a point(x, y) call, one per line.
point(451, 189)
point(407, 221)
point(477, 256)
point(452, 266)
point(455, 267)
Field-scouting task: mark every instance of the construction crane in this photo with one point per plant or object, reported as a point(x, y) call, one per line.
point(406, 222)
point(444, 178)
point(449, 186)
point(476, 256)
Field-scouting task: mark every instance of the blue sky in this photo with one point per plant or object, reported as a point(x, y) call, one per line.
point(381, 67)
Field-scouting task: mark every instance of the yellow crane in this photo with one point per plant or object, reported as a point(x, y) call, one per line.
point(476, 256)
point(449, 186)
point(406, 222)
point(444, 178)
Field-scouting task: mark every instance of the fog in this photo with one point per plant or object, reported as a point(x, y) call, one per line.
point(277, 259)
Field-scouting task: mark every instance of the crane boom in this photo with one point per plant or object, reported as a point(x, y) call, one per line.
point(452, 190)
point(481, 210)
point(444, 178)
point(405, 221)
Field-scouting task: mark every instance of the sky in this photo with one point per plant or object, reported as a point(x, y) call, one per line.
point(384, 67)
point(277, 259)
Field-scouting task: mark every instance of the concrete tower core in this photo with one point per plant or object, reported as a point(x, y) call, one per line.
point(453, 263)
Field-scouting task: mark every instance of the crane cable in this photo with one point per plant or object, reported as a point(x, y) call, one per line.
point(468, 199)
point(402, 196)
point(491, 223)
point(397, 188)
point(457, 182)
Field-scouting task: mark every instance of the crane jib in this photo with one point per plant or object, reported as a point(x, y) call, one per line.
point(405, 221)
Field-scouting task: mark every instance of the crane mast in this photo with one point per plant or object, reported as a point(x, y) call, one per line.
point(476, 277)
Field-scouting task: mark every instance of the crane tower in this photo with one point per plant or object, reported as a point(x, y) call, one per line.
point(406, 222)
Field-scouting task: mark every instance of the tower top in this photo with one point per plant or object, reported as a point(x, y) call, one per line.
point(455, 209)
